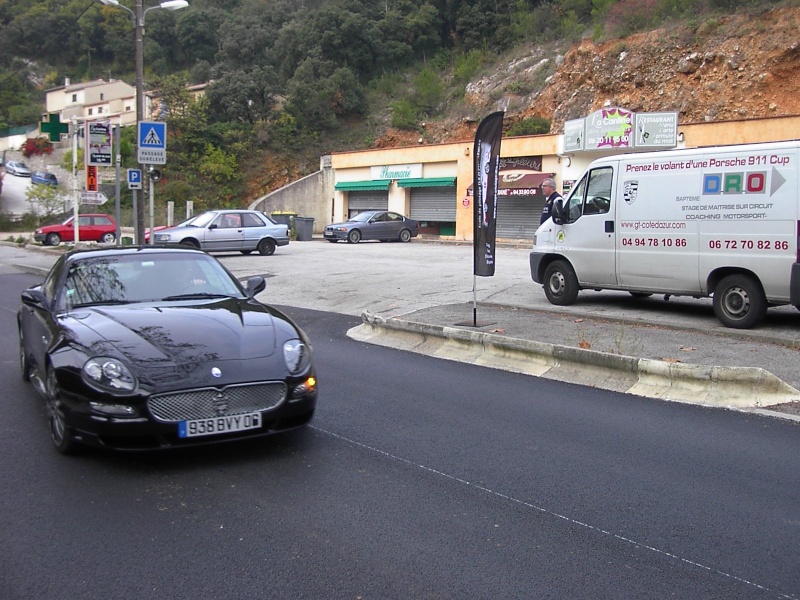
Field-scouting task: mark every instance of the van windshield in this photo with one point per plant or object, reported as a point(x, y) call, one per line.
point(591, 196)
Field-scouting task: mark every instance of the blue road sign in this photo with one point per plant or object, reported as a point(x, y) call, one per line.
point(152, 143)
point(134, 179)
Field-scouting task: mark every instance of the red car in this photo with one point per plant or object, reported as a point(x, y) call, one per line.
point(91, 228)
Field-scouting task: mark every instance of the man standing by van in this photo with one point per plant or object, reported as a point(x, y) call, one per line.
point(551, 195)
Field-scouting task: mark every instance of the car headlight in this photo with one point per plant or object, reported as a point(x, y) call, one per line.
point(341, 229)
point(108, 374)
point(296, 355)
point(161, 237)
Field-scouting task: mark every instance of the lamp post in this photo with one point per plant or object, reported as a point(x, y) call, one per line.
point(138, 16)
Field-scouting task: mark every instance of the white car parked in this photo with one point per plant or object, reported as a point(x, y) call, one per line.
point(227, 230)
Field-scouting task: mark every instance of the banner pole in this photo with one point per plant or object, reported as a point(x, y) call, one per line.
point(474, 300)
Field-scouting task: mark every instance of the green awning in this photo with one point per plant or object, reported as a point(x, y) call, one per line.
point(427, 182)
point(355, 186)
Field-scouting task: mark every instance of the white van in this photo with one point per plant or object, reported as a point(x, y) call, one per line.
point(721, 222)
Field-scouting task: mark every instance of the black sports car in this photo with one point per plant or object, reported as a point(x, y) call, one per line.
point(147, 348)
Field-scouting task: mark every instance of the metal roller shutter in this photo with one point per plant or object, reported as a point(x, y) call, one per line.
point(518, 216)
point(433, 204)
point(369, 200)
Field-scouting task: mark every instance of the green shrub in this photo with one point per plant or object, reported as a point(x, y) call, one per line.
point(529, 126)
point(428, 90)
point(466, 66)
point(520, 87)
point(404, 114)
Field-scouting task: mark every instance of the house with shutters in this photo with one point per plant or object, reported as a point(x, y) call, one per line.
point(114, 100)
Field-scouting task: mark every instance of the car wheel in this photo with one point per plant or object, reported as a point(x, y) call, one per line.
point(108, 238)
point(24, 363)
point(560, 283)
point(405, 235)
point(61, 435)
point(266, 247)
point(53, 239)
point(354, 236)
point(246, 252)
point(191, 244)
point(739, 302)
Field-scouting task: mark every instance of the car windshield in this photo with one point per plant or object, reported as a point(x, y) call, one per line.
point(200, 220)
point(144, 278)
point(362, 217)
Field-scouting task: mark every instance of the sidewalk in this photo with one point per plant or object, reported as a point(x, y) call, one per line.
point(736, 369)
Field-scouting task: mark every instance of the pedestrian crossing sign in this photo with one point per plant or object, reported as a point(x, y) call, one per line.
point(152, 145)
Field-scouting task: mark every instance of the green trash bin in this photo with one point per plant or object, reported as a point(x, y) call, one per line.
point(304, 227)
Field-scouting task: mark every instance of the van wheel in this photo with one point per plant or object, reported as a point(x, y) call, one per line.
point(739, 302)
point(560, 283)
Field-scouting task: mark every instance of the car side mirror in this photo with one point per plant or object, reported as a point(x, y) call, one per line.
point(255, 285)
point(34, 297)
point(213, 226)
point(557, 212)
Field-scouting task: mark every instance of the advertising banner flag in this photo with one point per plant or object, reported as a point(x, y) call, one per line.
point(486, 161)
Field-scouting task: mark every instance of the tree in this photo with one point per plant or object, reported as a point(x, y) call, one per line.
point(319, 94)
point(244, 96)
point(45, 200)
point(197, 32)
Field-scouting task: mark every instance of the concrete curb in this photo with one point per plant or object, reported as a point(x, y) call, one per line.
point(733, 387)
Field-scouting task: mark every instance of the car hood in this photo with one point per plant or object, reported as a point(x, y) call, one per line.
point(166, 342)
point(54, 227)
point(346, 224)
point(174, 228)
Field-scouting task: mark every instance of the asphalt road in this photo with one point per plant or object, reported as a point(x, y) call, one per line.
point(12, 199)
point(419, 478)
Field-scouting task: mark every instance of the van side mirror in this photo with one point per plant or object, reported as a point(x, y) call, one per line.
point(557, 211)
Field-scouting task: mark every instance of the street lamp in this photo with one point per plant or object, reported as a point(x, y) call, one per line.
point(138, 25)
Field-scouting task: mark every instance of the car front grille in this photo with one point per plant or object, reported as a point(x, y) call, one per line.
point(207, 403)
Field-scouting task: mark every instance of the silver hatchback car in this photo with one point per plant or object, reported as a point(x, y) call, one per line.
point(18, 168)
point(227, 231)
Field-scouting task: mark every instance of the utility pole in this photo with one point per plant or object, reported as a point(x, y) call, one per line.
point(140, 116)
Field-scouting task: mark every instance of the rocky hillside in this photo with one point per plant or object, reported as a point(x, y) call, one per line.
point(727, 68)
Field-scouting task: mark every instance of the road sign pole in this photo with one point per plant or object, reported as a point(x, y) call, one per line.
point(152, 213)
point(135, 220)
point(118, 161)
point(75, 202)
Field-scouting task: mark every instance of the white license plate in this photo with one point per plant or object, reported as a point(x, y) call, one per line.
point(217, 425)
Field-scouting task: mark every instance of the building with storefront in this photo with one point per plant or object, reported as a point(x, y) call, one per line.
point(432, 183)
